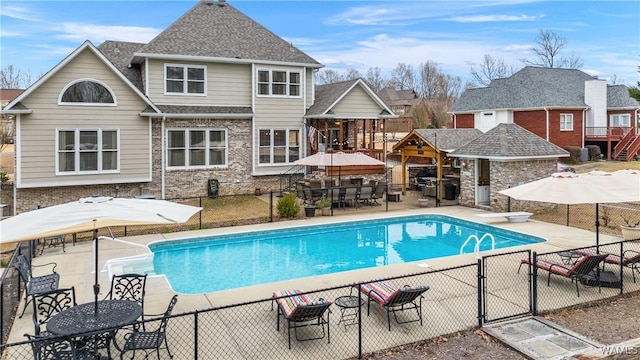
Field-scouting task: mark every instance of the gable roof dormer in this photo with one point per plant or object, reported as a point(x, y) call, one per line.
point(216, 31)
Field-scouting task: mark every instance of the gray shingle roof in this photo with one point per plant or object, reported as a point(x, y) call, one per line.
point(618, 97)
point(448, 139)
point(531, 87)
point(119, 54)
point(217, 29)
point(327, 95)
point(509, 141)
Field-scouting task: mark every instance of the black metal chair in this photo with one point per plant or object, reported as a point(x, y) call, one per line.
point(35, 285)
point(48, 304)
point(59, 348)
point(150, 340)
point(53, 241)
point(128, 287)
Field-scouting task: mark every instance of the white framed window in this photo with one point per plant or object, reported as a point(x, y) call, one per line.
point(566, 122)
point(197, 148)
point(279, 83)
point(81, 151)
point(87, 92)
point(620, 120)
point(185, 79)
point(279, 146)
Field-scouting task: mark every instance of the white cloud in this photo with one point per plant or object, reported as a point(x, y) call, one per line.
point(492, 18)
point(20, 13)
point(100, 33)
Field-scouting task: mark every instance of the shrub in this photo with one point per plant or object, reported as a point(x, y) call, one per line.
point(3, 177)
point(594, 152)
point(288, 206)
point(574, 154)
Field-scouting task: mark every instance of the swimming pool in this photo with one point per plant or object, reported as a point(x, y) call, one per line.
point(212, 263)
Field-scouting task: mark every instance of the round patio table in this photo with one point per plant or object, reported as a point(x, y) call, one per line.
point(80, 319)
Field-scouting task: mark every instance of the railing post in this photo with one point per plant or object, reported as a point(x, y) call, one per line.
point(200, 213)
point(271, 206)
point(359, 324)
point(533, 276)
point(195, 335)
point(480, 290)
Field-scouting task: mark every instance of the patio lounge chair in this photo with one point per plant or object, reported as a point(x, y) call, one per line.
point(394, 299)
point(298, 312)
point(35, 285)
point(578, 272)
point(629, 259)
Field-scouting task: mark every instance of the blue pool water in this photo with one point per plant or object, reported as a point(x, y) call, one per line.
point(206, 264)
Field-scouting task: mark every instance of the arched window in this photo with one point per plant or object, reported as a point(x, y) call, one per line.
point(87, 91)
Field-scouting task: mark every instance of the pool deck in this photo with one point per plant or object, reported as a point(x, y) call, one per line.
point(75, 266)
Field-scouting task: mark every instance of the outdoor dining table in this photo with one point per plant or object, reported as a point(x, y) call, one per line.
point(82, 319)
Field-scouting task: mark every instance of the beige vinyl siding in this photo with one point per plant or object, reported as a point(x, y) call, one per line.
point(281, 113)
point(357, 103)
point(227, 85)
point(308, 83)
point(38, 129)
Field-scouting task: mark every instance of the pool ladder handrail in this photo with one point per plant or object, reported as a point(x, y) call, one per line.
point(476, 248)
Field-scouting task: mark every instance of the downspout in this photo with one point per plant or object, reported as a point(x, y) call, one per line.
point(455, 121)
point(584, 126)
point(162, 157)
point(547, 125)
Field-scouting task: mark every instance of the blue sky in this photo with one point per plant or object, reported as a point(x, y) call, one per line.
point(36, 35)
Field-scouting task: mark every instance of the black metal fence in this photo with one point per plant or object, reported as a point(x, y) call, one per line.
point(496, 287)
point(10, 288)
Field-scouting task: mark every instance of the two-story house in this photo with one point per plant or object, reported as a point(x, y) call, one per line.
point(213, 96)
point(566, 107)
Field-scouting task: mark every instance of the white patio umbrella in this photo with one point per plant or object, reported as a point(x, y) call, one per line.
point(91, 214)
point(591, 188)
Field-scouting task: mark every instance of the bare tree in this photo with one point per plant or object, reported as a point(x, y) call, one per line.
point(352, 74)
point(374, 79)
point(12, 78)
point(328, 76)
point(403, 77)
point(548, 50)
point(491, 68)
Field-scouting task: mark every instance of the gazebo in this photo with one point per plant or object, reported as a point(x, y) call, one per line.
point(422, 144)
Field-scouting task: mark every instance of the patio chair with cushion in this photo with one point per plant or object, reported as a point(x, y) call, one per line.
point(394, 299)
point(35, 285)
point(150, 340)
point(630, 259)
point(49, 304)
point(298, 311)
point(581, 271)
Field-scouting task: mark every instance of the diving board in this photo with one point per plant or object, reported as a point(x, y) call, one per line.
point(512, 216)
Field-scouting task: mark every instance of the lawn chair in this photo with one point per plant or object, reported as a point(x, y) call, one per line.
point(49, 304)
point(582, 271)
point(394, 300)
point(630, 259)
point(298, 312)
point(150, 340)
point(128, 287)
point(48, 347)
point(377, 193)
point(38, 284)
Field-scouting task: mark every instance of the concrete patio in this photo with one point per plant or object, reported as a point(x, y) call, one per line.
point(75, 267)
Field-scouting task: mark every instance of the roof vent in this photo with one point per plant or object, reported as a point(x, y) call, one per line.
point(222, 3)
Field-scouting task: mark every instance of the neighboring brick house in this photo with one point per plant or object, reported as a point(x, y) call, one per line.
point(566, 107)
point(213, 96)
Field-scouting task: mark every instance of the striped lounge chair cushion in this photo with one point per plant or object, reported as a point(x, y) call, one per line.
point(380, 291)
point(293, 299)
point(551, 266)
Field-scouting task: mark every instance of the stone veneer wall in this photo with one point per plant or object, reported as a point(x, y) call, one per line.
point(513, 173)
point(502, 175)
